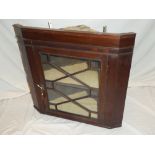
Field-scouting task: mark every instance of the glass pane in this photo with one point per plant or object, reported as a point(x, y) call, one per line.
point(55, 97)
point(73, 108)
point(89, 103)
point(51, 73)
point(93, 78)
point(71, 91)
point(72, 84)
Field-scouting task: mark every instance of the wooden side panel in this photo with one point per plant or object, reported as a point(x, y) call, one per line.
point(37, 77)
point(116, 87)
point(26, 65)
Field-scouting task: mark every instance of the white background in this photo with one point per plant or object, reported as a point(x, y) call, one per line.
point(83, 144)
point(139, 116)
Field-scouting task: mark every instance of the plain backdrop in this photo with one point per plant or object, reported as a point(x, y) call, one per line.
point(139, 117)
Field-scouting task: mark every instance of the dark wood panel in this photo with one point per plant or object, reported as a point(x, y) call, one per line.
point(26, 65)
point(90, 38)
point(33, 59)
point(116, 87)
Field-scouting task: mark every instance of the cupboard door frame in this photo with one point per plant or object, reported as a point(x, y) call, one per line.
point(37, 73)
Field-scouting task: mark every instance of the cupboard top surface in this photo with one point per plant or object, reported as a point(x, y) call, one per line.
point(114, 40)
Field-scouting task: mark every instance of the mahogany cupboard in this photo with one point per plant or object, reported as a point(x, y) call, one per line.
point(77, 75)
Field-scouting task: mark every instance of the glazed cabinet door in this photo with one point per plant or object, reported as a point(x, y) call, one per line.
point(67, 85)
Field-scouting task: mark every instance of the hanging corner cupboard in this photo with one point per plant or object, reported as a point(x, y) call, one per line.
point(76, 75)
